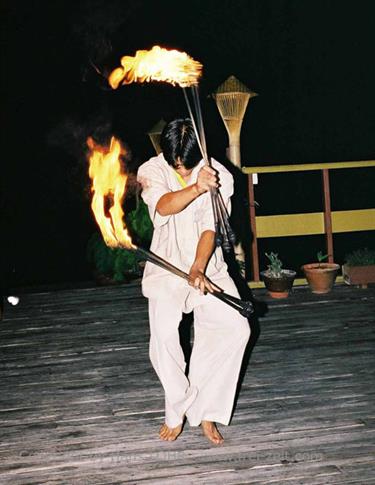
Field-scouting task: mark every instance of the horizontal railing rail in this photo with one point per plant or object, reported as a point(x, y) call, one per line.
point(326, 222)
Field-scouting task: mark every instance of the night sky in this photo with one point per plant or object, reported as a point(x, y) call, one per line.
point(312, 63)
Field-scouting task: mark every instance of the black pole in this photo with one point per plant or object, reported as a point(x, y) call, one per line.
point(245, 308)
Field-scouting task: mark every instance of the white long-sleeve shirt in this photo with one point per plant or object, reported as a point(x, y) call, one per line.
point(176, 236)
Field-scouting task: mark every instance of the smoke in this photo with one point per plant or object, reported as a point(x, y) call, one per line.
point(94, 25)
point(70, 137)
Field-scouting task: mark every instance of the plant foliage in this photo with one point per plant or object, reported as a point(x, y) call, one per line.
point(114, 263)
point(140, 223)
point(361, 257)
point(118, 263)
point(321, 257)
point(275, 267)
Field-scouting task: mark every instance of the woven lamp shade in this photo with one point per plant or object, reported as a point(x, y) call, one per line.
point(155, 134)
point(232, 98)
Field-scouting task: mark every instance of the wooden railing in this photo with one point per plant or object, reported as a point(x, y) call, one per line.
point(326, 222)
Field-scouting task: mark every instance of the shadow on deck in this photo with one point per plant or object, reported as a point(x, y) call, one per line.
point(80, 403)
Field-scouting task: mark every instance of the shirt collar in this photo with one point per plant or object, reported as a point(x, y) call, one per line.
point(194, 173)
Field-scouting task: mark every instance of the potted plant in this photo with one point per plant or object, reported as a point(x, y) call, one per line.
point(321, 276)
point(278, 281)
point(113, 266)
point(359, 267)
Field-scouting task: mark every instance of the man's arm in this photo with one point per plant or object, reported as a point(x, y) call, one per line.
point(205, 248)
point(175, 202)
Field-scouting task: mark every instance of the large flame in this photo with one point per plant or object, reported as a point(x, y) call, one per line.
point(157, 64)
point(108, 187)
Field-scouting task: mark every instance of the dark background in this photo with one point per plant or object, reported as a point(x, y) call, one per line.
point(310, 61)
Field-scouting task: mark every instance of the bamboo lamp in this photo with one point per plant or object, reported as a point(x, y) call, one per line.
point(232, 98)
point(155, 134)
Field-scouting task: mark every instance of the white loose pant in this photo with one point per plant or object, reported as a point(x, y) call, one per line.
point(220, 338)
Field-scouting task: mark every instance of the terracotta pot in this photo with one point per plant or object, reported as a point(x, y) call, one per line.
point(359, 275)
point(279, 287)
point(321, 276)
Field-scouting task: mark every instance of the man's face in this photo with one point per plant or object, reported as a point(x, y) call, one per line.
point(180, 169)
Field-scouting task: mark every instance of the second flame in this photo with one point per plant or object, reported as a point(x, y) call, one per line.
point(108, 188)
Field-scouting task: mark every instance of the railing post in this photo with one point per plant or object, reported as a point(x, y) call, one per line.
point(254, 243)
point(327, 215)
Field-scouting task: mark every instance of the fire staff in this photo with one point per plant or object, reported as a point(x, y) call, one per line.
point(176, 187)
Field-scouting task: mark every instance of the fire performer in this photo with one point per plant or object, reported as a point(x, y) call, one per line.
point(176, 187)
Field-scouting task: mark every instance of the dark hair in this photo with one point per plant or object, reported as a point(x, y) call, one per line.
point(178, 140)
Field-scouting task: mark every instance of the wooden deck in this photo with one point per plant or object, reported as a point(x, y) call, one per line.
point(80, 403)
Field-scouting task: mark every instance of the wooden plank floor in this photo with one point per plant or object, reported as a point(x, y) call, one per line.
point(80, 403)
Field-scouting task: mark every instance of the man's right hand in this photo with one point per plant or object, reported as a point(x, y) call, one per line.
point(200, 282)
point(207, 179)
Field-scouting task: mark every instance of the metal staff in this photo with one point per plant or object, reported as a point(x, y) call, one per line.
point(245, 308)
point(225, 236)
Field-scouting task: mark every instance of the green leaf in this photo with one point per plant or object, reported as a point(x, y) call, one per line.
point(321, 257)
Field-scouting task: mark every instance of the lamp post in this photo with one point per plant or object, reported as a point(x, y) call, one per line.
point(155, 134)
point(232, 98)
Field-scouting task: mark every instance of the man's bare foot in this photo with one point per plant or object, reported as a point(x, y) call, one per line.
point(170, 434)
point(211, 432)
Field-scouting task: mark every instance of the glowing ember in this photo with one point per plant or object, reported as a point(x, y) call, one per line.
point(157, 64)
point(108, 187)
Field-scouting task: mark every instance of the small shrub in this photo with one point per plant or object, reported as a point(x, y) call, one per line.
point(360, 257)
point(118, 263)
point(275, 267)
point(114, 263)
point(140, 223)
point(321, 257)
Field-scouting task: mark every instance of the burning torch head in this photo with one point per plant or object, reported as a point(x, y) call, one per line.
point(108, 187)
point(157, 64)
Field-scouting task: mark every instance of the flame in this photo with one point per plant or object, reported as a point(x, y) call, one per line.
point(157, 64)
point(108, 186)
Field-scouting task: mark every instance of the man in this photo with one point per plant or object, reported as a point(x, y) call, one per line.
point(176, 187)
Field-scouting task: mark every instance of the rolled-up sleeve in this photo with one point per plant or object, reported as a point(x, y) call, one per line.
point(205, 216)
point(154, 186)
